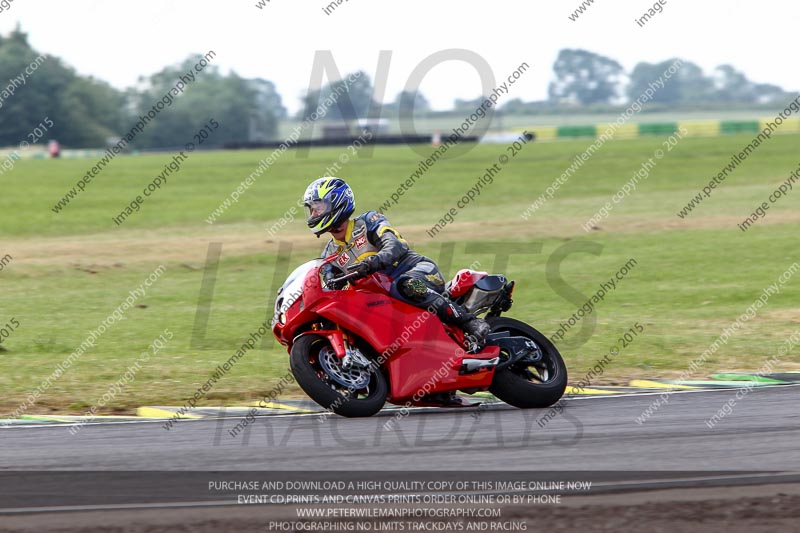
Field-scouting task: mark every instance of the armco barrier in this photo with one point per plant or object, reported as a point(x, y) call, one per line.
point(692, 128)
point(730, 126)
point(658, 128)
point(577, 131)
point(791, 125)
point(700, 128)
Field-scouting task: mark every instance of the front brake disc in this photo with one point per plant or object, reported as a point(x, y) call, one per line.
point(352, 378)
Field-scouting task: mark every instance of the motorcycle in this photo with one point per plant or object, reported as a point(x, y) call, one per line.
point(353, 347)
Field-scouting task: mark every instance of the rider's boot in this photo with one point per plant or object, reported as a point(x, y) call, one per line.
point(449, 313)
point(445, 399)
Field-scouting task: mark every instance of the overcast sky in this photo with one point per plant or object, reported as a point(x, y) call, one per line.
point(119, 41)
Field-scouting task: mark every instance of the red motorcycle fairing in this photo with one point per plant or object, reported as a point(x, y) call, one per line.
point(414, 347)
point(413, 343)
point(464, 280)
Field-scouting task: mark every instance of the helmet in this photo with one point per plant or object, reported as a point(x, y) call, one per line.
point(328, 201)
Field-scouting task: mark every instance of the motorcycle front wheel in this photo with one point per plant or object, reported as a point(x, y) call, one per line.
point(529, 384)
point(347, 392)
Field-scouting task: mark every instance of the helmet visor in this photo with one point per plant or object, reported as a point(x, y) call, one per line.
point(317, 209)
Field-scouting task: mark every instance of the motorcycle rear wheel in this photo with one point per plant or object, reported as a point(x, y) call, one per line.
point(304, 362)
point(533, 385)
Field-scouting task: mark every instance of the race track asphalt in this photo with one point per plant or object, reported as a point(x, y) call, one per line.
point(761, 432)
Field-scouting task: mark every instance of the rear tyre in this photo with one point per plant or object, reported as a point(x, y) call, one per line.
point(330, 393)
point(529, 385)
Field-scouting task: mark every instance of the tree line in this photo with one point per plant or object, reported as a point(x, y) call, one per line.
point(583, 78)
point(87, 112)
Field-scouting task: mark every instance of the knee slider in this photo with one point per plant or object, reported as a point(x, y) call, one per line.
point(413, 288)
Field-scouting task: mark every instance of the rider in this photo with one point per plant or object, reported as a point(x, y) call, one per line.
point(368, 243)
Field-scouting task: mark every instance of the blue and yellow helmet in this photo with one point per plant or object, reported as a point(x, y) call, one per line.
point(328, 201)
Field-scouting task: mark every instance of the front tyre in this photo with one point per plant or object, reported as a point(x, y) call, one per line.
point(319, 373)
point(526, 384)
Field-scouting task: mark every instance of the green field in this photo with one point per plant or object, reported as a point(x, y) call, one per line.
point(693, 277)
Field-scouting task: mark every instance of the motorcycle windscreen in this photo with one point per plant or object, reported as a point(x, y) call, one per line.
point(292, 288)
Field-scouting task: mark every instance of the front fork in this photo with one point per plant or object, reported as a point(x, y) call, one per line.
point(334, 336)
point(343, 348)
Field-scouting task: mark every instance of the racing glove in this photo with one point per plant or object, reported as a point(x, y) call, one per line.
point(364, 267)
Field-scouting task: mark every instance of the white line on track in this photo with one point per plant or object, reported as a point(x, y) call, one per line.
point(56, 425)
